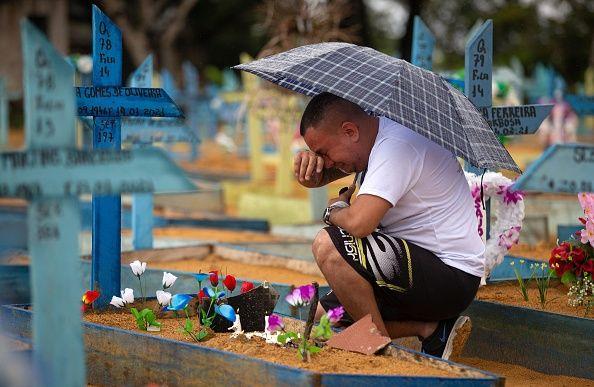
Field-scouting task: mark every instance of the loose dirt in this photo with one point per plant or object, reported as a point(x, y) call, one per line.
point(239, 270)
point(508, 293)
point(328, 361)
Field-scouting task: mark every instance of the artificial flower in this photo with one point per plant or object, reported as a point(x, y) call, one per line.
point(586, 200)
point(307, 293)
point(246, 286)
point(510, 237)
point(294, 298)
point(230, 282)
point(90, 296)
point(138, 267)
point(201, 295)
point(587, 234)
point(127, 295)
point(210, 293)
point(334, 315)
point(226, 311)
point(163, 298)
point(588, 267)
point(117, 302)
point(201, 277)
point(179, 302)
point(214, 277)
point(510, 196)
point(168, 280)
point(274, 323)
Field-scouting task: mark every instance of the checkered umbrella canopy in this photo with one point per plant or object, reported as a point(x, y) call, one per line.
point(416, 98)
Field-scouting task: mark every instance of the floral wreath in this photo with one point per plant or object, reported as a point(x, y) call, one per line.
point(508, 207)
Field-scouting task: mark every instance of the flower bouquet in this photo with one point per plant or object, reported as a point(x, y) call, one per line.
point(573, 260)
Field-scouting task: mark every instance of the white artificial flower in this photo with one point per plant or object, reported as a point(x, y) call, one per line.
point(168, 280)
point(164, 298)
point(117, 302)
point(84, 64)
point(127, 295)
point(138, 267)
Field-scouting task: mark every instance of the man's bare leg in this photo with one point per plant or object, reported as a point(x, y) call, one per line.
point(356, 294)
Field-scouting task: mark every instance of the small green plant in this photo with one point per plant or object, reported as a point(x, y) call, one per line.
point(523, 284)
point(542, 276)
point(146, 320)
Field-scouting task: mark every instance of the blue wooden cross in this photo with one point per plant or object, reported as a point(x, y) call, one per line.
point(562, 168)
point(107, 102)
point(504, 120)
point(51, 174)
point(422, 47)
point(582, 104)
point(173, 128)
point(3, 114)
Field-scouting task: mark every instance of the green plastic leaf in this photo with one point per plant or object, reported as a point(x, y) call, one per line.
point(189, 326)
point(202, 335)
point(135, 313)
point(568, 277)
point(313, 349)
point(150, 317)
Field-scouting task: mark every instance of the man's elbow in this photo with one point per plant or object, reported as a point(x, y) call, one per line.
point(361, 230)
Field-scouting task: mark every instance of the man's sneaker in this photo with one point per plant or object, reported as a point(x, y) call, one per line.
point(449, 338)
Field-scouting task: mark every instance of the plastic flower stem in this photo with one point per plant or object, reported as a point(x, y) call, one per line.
point(141, 291)
point(310, 320)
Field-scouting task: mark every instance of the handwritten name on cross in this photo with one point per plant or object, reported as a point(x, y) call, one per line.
point(504, 120)
point(51, 174)
point(107, 102)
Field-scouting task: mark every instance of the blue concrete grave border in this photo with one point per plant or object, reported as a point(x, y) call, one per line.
point(175, 362)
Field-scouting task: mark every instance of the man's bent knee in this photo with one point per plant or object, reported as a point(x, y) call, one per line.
point(323, 249)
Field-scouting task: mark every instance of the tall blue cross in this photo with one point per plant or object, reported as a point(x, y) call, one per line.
point(423, 43)
point(173, 129)
point(51, 174)
point(107, 101)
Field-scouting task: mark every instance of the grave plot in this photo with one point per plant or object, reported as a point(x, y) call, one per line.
point(54, 227)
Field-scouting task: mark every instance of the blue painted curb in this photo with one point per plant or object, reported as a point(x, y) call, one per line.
point(547, 342)
point(178, 363)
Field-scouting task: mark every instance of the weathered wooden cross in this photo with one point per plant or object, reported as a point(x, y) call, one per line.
point(422, 45)
point(51, 174)
point(107, 102)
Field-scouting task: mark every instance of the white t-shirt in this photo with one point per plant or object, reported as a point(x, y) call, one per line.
point(432, 206)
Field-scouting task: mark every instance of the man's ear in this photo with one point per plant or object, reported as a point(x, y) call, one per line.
point(351, 130)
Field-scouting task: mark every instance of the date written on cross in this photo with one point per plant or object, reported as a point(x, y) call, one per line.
point(114, 101)
point(510, 120)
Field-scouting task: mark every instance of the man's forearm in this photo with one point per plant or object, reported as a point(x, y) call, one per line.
point(346, 219)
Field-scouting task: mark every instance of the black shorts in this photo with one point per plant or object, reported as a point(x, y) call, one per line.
point(409, 282)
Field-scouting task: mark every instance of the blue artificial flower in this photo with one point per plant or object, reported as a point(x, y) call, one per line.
point(226, 311)
point(179, 302)
point(210, 293)
point(200, 277)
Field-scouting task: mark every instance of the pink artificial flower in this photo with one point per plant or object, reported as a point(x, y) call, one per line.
point(334, 315)
point(275, 323)
point(307, 293)
point(586, 200)
point(510, 196)
point(294, 298)
point(587, 234)
point(510, 237)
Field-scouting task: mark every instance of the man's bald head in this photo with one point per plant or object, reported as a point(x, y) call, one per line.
point(327, 106)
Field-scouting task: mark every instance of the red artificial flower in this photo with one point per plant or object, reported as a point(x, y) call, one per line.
point(201, 295)
point(246, 286)
point(214, 277)
point(589, 267)
point(229, 282)
point(88, 298)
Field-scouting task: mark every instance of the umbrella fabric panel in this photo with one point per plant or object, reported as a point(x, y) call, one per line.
point(385, 86)
point(489, 152)
point(421, 102)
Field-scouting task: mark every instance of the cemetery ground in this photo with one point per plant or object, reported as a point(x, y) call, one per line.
point(245, 244)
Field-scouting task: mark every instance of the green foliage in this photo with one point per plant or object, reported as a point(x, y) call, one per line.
point(284, 337)
point(521, 281)
point(568, 277)
point(542, 281)
point(323, 331)
point(145, 318)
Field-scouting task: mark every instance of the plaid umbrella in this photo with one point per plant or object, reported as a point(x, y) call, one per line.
point(414, 97)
